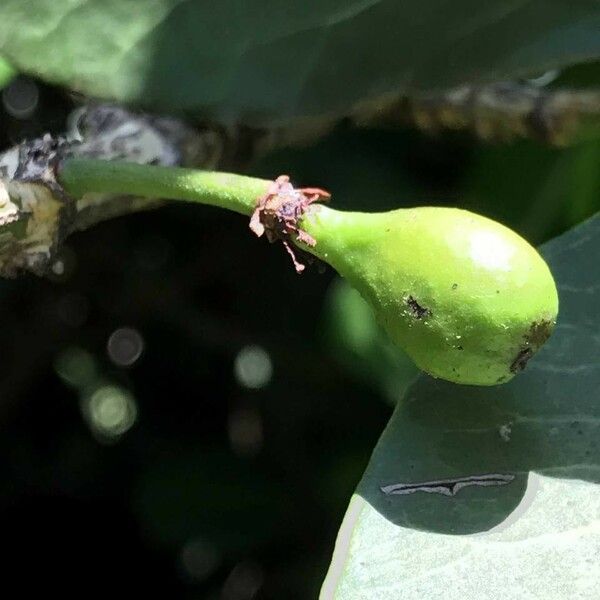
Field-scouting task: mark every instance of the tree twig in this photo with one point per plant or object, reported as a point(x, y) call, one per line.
point(34, 218)
point(498, 112)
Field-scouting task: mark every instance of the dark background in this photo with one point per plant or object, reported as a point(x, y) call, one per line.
point(210, 449)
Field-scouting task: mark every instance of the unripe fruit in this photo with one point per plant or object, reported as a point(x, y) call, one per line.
point(467, 298)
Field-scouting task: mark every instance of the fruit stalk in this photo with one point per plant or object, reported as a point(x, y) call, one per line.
point(225, 190)
point(467, 298)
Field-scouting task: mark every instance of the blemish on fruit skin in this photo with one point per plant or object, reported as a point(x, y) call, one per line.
point(539, 332)
point(454, 286)
point(521, 360)
point(418, 311)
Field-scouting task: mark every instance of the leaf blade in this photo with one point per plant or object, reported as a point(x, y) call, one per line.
point(275, 59)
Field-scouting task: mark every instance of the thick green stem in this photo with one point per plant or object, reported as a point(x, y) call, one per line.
point(226, 190)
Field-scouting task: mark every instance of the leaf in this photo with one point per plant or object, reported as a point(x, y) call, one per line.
point(535, 536)
point(359, 344)
point(7, 73)
point(537, 190)
point(273, 59)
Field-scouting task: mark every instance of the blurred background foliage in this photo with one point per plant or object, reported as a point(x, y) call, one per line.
point(180, 412)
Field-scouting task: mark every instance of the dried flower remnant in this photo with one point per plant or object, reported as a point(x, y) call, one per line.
point(277, 214)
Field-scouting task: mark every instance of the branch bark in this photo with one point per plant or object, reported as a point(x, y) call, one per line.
point(35, 216)
point(497, 112)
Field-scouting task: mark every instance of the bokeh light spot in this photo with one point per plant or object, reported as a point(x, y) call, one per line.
point(21, 98)
point(253, 367)
point(110, 411)
point(125, 345)
point(75, 367)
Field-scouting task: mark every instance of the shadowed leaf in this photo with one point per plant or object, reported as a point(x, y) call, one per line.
point(275, 59)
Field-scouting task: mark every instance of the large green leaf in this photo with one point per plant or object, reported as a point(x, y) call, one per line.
point(535, 531)
point(270, 59)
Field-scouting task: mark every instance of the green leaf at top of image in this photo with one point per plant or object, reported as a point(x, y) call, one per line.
point(7, 73)
point(266, 60)
point(494, 489)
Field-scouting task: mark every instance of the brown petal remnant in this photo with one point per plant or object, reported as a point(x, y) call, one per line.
point(277, 214)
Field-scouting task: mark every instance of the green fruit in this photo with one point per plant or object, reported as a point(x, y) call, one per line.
point(467, 298)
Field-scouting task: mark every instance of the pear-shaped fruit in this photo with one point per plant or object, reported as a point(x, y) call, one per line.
point(467, 298)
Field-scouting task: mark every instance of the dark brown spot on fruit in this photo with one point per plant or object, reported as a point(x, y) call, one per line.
point(521, 360)
point(419, 312)
point(539, 332)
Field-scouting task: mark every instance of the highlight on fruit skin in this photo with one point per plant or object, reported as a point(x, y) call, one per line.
point(467, 298)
